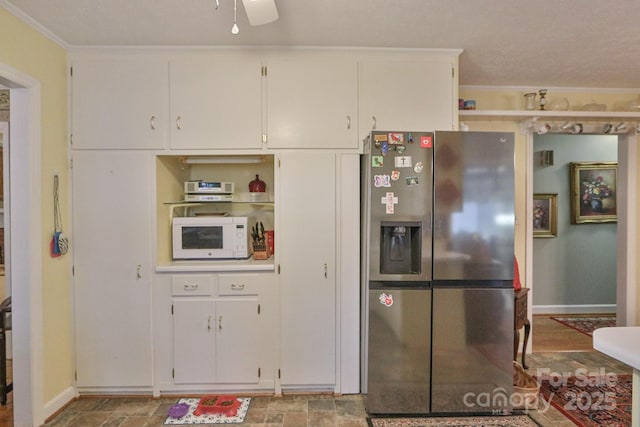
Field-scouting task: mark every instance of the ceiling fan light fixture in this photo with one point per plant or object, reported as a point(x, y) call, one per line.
point(260, 12)
point(235, 30)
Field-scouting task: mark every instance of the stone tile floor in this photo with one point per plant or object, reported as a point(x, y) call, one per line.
point(265, 411)
point(303, 410)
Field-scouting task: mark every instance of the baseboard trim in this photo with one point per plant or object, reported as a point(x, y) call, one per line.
point(573, 309)
point(55, 405)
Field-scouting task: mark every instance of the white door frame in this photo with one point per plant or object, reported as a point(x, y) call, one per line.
point(25, 245)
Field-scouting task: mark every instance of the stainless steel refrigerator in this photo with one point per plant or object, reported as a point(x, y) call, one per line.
point(437, 272)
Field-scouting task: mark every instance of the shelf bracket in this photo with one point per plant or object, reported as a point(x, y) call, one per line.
point(527, 125)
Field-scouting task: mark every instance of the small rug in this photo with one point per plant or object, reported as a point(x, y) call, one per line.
point(591, 401)
point(499, 421)
point(191, 419)
point(586, 325)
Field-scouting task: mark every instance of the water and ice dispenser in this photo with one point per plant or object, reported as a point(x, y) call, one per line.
point(400, 247)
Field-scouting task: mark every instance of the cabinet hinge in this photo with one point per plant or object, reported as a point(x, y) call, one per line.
point(172, 309)
point(453, 72)
point(173, 373)
point(278, 268)
point(71, 71)
point(258, 308)
point(264, 71)
point(278, 373)
point(75, 375)
point(278, 162)
point(73, 270)
point(71, 163)
point(258, 372)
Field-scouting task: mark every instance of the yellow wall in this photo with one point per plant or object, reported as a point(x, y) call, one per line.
point(512, 99)
point(28, 51)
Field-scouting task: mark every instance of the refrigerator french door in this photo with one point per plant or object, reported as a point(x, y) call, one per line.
point(472, 329)
point(397, 182)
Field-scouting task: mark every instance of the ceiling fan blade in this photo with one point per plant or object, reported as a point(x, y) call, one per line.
point(260, 12)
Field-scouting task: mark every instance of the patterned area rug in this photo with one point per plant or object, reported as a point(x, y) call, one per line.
point(501, 421)
point(586, 325)
point(591, 401)
point(191, 419)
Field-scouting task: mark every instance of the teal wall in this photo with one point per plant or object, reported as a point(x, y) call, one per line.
point(579, 266)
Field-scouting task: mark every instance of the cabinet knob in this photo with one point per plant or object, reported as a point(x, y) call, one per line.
point(179, 122)
point(152, 122)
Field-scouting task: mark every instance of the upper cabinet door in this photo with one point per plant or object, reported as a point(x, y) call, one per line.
point(409, 95)
point(119, 102)
point(216, 102)
point(312, 103)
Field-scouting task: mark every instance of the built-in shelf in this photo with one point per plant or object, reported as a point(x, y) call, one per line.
point(188, 205)
point(520, 115)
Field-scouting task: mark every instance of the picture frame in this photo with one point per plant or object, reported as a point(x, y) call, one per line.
point(593, 187)
point(545, 215)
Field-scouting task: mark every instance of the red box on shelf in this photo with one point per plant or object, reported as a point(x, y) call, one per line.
point(270, 240)
point(225, 405)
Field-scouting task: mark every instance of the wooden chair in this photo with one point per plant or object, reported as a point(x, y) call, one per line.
point(5, 325)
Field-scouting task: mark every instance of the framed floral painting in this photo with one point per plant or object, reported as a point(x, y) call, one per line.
point(593, 187)
point(545, 215)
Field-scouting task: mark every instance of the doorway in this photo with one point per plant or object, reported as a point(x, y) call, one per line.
point(626, 303)
point(579, 257)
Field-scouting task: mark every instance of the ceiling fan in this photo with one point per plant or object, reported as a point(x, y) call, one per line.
point(259, 12)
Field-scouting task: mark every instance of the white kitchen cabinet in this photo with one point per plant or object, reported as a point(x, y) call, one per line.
point(194, 344)
point(216, 341)
point(306, 244)
point(112, 276)
point(216, 102)
point(217, 336)
point(407, 94)
point(237, 349)
point(312, 103)
point(119, 102)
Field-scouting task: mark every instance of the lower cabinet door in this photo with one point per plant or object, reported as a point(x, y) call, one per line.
point(216, 341)
point(237, 345)
point(194, 341)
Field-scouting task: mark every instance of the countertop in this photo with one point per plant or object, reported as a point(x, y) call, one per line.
point(249, 265)
point(621, 343)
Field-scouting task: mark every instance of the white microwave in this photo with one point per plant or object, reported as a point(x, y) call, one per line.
point(210, 237)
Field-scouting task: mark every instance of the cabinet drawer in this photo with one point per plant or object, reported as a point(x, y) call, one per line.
point(242, 284)
point(192, 284)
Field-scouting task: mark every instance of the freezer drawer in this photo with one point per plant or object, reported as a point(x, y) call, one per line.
point(399, 351)
point(472, 368)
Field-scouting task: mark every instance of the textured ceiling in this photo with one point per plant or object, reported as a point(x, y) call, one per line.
point(535, 43)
